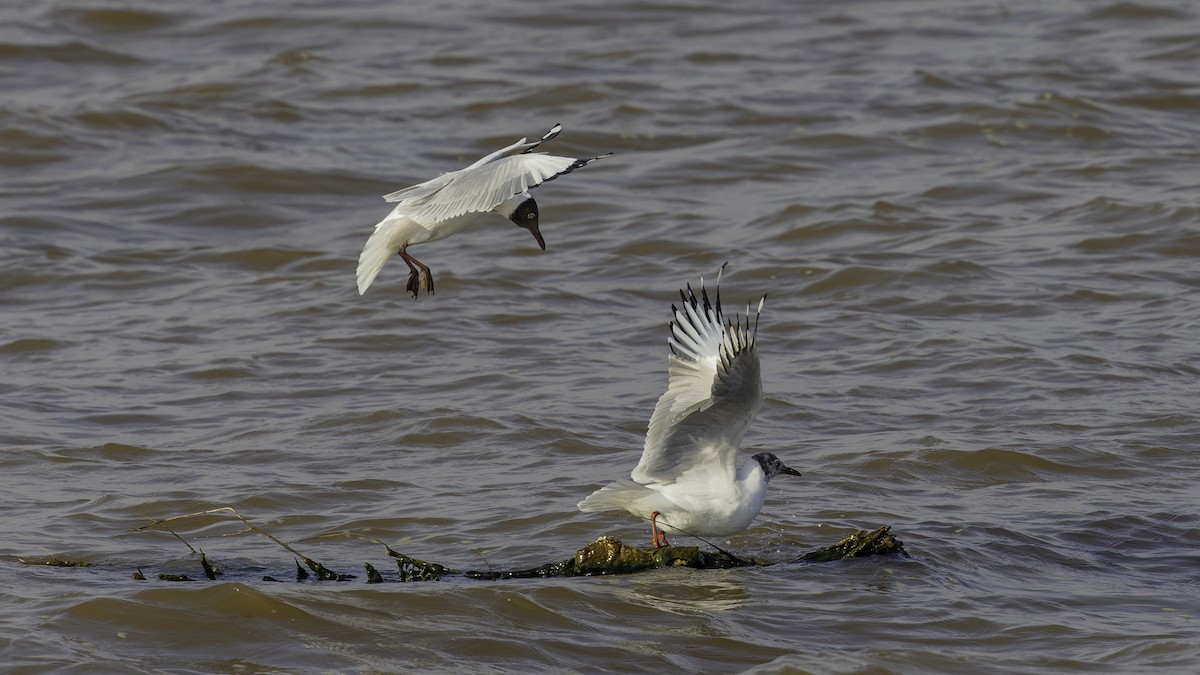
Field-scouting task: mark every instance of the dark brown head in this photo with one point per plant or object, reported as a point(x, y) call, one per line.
point(772, 467)
point(526, 216)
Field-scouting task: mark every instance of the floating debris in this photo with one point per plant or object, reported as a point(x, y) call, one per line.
point(174, 577)
point(609, 555)
point(412, 569)
point(858, 545)
point(210, 570)
point(54, 561)
point(324, 573)
point(605, 556)
point(373, 575)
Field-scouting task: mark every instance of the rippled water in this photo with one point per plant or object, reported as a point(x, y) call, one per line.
point(977, 225)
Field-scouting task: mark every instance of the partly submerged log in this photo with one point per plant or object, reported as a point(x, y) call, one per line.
point(607, 555)
point(604, 556)
point(858, 545)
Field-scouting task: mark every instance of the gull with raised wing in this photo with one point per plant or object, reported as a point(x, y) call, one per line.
point(688, 479)
point(498, 183)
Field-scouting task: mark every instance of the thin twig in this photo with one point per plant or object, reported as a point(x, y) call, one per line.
point(237, 515)
point(485, 560)
point(172, 533)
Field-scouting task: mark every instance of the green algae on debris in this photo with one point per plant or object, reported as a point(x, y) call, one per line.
point(606, 555)
point(858, 545)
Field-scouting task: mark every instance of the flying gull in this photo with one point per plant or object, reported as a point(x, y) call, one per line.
point(498, 183)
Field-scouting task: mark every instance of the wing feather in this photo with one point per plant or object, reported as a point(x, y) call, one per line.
point(430, 186)
point(420, 189)
point(487, 183)
point(713, 392)
point(483, 188)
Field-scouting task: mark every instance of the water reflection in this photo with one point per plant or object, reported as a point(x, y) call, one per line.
point(690, 592)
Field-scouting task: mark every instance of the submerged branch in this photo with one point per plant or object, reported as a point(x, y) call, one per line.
point(858, 545)
point(323, 573)
point(604, 556)
point(607, 555)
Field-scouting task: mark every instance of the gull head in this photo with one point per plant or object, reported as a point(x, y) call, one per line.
point(526, 216)
point(772, 467)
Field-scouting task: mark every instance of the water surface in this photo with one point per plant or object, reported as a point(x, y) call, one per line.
point(977, 227)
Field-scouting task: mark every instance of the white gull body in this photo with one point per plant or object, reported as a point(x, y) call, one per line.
point(498, 183)
point(688, 480)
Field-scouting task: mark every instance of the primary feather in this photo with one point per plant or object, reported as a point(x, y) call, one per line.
point(714, 389)
point(688, 479)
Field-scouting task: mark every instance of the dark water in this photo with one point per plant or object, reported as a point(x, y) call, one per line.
point(977, 225)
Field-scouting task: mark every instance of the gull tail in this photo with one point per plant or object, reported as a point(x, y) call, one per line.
point(379, 249)
point(616, 496)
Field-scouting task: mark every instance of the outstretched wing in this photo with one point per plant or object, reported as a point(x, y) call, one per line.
point(483, 188)
point(422, 189)
point(714, 391)
point(487, 183)
point(430, 186)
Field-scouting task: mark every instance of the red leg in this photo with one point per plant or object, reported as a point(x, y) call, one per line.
point(657, 537)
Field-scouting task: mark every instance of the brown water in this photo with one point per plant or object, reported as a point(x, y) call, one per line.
point(977, 225)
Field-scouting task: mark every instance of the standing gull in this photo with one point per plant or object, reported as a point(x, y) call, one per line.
point(452, 202)
point(688, 480)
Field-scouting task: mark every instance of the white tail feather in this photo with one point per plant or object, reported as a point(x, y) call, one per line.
point(378, 250)
point(616, 496)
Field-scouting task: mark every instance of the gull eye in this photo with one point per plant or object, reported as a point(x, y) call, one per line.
point(528, 216)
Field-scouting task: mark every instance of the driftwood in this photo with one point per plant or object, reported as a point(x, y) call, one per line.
point(607, 555)
point(604, 556)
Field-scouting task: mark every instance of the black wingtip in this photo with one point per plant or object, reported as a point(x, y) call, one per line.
point(554, 131)
point(720, 272)
point(758, 314)
point(579, 163)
